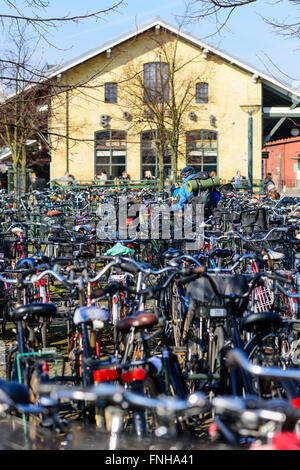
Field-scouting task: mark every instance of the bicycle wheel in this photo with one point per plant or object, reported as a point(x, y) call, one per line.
point(144, 422)
point(196, 358)
point(33, 382)
point(75, 356)
point(11, 365)
point(216, 346)
point(267, 350)
point(150, 390)
point(177, 316)
point(42, 335)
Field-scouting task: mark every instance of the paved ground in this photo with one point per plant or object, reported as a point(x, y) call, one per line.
point(291, 192)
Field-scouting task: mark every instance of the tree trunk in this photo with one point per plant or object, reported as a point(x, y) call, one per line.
point(23, 169)
point(175, 165)
point(161, 180)
point(15, 180)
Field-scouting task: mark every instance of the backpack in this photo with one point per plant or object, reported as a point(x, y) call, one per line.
point(202, 196)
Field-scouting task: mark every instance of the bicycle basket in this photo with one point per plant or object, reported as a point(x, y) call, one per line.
point(204, 302)
point(254, 220)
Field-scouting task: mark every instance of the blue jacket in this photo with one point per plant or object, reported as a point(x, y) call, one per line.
point(184, 194)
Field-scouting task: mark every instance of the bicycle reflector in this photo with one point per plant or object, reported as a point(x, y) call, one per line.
point(105, 375)
point(286, 441)
point(136, 374)
point(45, 367)
point(296, 402)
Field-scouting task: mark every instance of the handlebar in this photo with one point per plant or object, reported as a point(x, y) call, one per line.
point(187, 275)
point(184, 275)
point(236, 234)
point(117, 395)
point(237, 358)
point(36, 278)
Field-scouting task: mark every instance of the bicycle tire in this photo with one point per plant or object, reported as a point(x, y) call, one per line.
point(177, 317)
point(267, 388)
point(214, 360)
point(11, 371)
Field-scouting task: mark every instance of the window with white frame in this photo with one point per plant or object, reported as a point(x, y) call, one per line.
point(202, 150)
point(110, 152)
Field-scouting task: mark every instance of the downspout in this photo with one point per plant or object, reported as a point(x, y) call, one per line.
point(67, 129)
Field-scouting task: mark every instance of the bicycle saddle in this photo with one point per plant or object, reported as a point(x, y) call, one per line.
point(171, 253)
point(57, 239)
point(141, 320)
point(83, 255)
point(274, 255)
point(37, 309)
point(54, 213)
point(222, 253)
point(87, 314)
point(257, 322)
point(58, 228)
point(17, 230)
point(41, 259)
point(17, 393)
point(84, 228)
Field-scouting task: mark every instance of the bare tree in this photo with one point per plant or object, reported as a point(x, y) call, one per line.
point(34, 13)
point(19, 112)
point(222, 10)
point(160, 95)
point(25, 87)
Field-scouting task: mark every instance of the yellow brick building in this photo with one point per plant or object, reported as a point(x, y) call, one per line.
point(96, 123)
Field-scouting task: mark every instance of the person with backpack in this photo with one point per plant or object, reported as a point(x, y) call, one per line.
point(267, 181)
point(186, 174)
point(209, 197)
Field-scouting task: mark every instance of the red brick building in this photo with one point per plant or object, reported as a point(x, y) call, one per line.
point(283, 162)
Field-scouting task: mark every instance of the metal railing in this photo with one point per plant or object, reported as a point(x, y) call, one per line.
point(109, 184)
point(258, 186)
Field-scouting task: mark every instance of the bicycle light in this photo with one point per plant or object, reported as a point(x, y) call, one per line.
point(105, 375)
point(45, 368)
point(296, 402)
point(136, 374)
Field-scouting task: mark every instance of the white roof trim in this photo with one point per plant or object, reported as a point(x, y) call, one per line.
point(278, 111)
point(7, 153)
point(188, 37)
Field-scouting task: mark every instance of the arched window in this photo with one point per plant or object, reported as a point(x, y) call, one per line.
point(202, 150)
point(110, 152)
point(149, 154)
